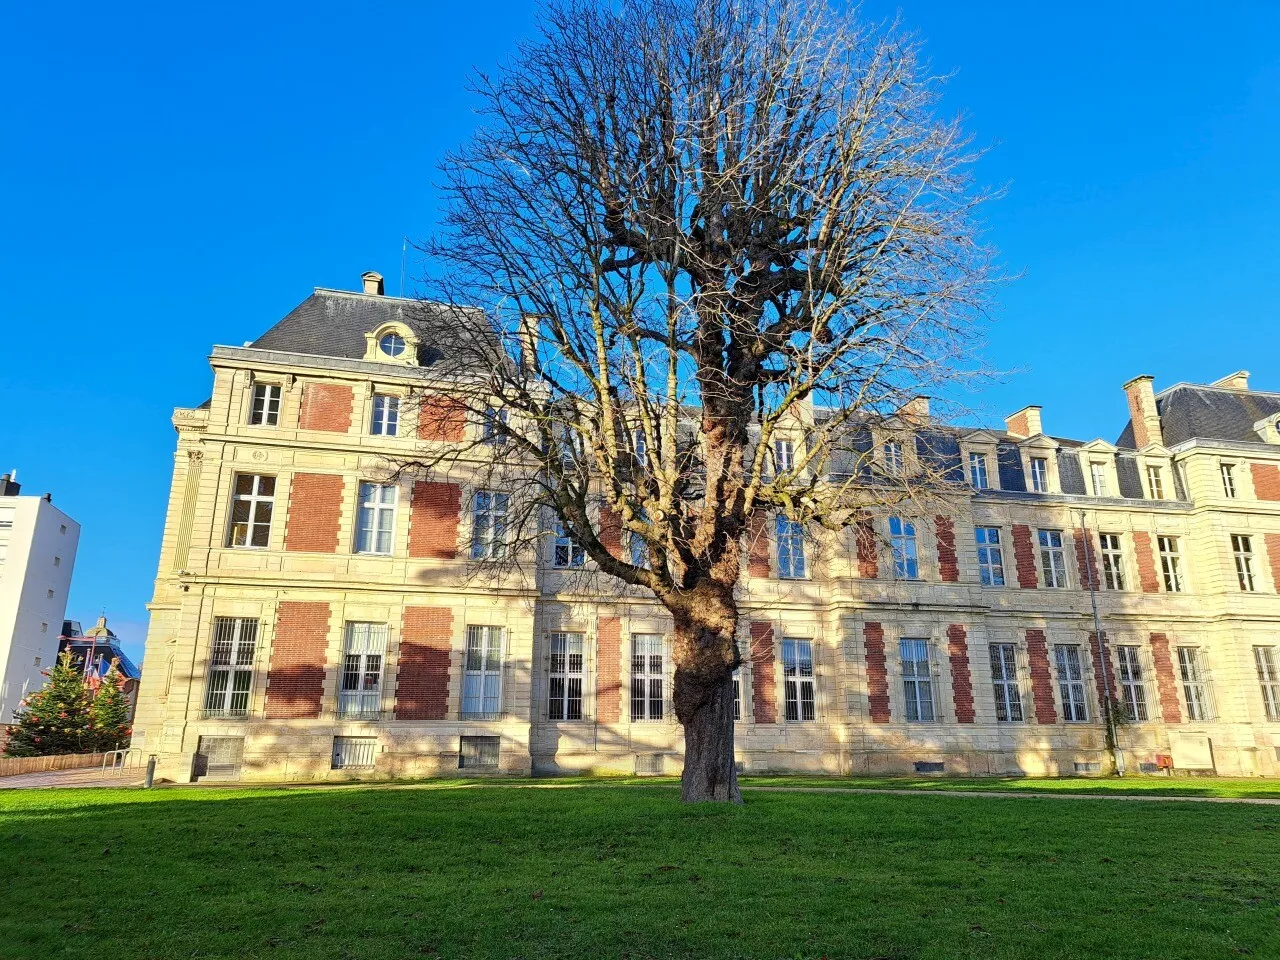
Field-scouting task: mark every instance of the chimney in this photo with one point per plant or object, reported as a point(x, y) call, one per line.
point(1142, 411)
point(372, 281)
point(1234, 381)
point(9, 486)
point(1025, 423)
point(917, 408)
point(529, 343)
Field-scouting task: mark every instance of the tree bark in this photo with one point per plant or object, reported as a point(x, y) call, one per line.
point(706, 654)
point(709, 770)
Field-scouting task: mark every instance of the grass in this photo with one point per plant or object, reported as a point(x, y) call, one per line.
point(1226, 787)
point(612, 870)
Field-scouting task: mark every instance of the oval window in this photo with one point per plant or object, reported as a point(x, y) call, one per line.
point(392, 344)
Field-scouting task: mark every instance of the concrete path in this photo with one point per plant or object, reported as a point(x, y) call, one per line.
point(81, 777)
point(1022, 794)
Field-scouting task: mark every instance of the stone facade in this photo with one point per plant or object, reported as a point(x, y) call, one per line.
point(319, 650)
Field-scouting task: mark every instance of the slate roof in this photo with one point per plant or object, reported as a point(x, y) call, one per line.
point(1190, 411)
point(333, 323)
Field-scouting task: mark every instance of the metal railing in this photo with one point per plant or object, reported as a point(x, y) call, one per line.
point(121, 760)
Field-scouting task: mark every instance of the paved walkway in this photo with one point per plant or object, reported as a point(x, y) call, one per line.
point(80, 777)
point(1022, 794)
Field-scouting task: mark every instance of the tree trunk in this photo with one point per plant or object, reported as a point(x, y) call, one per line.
point(709, 770)
point(706, 654)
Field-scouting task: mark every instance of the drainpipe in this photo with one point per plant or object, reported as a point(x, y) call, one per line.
point(1113, 741)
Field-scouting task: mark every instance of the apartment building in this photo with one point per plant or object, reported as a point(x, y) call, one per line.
point(314, 618)
point(37, 554)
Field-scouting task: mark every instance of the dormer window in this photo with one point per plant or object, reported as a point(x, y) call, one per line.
point(1155, 482)
point(893, 462)
point(978, 471)
point(1039, 475)
point(392, 344)
point(1098, 475)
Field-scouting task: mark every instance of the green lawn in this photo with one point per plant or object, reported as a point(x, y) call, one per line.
point(605, 870)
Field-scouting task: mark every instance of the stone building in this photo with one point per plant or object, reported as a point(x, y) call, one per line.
point(313, 619)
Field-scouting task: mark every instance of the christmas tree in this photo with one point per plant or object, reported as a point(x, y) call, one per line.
point(109, 712)
point(55, 719)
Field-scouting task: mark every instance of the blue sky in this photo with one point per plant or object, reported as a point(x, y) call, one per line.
point(175, 176)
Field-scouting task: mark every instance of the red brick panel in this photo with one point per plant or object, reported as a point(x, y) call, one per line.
point(442, 418)
point(433, 520)
point(877, 673)
point(758, 544)
point(961, 679)
point(865, 535)
point(326, 406)
point(608, 669)
point(1266, 480)
point(1024, 555)
point(948, 563)
point(1147, 578)
point(764, 693)
point(1041, 677)
point(1170, 712)
point(611, 531)
point(1273, 556)
point(1102, 661)
point(315, 508)
point(422, 684)
point(1087, 560)
point(295, 679)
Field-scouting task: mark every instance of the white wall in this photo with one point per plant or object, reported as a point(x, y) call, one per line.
point(41, 554)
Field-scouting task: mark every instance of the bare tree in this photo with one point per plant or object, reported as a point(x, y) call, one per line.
point(718, 245)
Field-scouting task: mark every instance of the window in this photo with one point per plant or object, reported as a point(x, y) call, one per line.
point(231, 666)
point(797, 679)
point(1228, 479)
point(791, 563)
point(902, 538)
point(265, 409)
point(1004, 682)
point(647, 656)
point(1269, 680)
point(386, 416)
point(354, 753)
point(492, 427)
point(482, 674)
point(489, 525)
point(478, 753)
point(564, 693)
point(1112, 561)
point(1133, 694)
point(893, 463)
point(1098, 476)
point(990, 557)
point(917, 680)
point(640, 445)
point(361, 690)
point(639, 550)
point(978, 470)
point(1053, 562)
point(784, 458)
point(1242, 548)
point(1070, 683)
point(737, 694)
point(1155, 482)
point(252, 500)
point(1039, 475)
point(6, 519)
point(1195, 684)
point(392, 344)
point(567, 554)
point(375, 526)
point(1170, 563)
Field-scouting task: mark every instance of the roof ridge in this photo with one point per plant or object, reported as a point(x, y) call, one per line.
point(374, 296)
point(1183, 385)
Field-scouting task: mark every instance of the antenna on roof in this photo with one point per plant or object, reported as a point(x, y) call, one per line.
point(404, 250)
